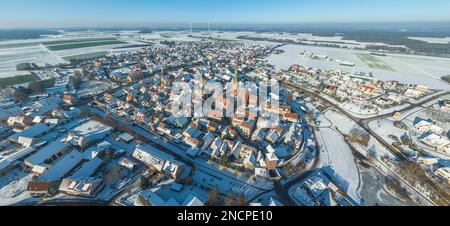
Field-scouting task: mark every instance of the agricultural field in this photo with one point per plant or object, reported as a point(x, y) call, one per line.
point(10, 57)
point(374, 62)
point(82, 44)
point(86, 56)
point(71, 41)
point(10, 81)
point(403, 68)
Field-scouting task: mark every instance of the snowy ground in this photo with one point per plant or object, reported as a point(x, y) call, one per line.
point(93, 87)
point(445, 40)
point(407, 68)
point(74, 52)
point(335, 152)
point(372, 188)
point(10, 57)
point(375, 192)
point(13, 188)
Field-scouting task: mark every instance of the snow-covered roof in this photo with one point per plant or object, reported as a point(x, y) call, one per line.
point(65, 165)
point(31, 132)
point(192, 201)
point(19, 154)
point(126, 137)
point(91, 128)
point(88, 169)
point(4, 114)
point(47, 152)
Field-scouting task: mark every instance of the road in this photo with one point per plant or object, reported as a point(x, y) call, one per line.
point(282, 190)
point(156, 141)
point(363, 123)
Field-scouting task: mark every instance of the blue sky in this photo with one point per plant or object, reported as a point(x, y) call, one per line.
point(64, 13)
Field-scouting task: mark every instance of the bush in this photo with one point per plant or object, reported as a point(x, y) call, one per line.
point(446, 78)
point(360, 136)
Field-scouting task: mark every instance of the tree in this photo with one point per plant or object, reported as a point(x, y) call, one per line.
point(446, 78)
point(241, 200)
point(76, 81)
point(233, 200)
point(406, 140)
point(20, 94)
point(213, 197)
point(37, 87)
point(144, 184)
point(359, 136)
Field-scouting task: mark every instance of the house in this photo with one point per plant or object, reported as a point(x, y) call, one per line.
point(262, 173)
point(69, 99)
point(62, 167)
point(150, 198)
point(88, 133)
point(158, 160)
point(22, 121)
point(236, 150)
point(246, 129)
point(223, 150)
point(126, 137)
point(26, 141)
point(272, 137)
point(88, 169)
point(87, 187)
point(31, 132)
point(11, 161)
point(42, 188)
point(249, 161)
point(208, 139)
point(38, 119)
point(413, 93)
point(72, 113)
point(162, 128)
point(216, 144)
point(6, 113)
point(192, 142)
point(173, 168)
point(441, 143)
point(53, 121)
point(47, 154)
point(443, 174)
point(290, 117)
point(97, 150)
point(192, 200)
point(368, 89)
point(57, 113)
point(271, 158)
point(259, 135)
point(127, 163)
point(426, 125)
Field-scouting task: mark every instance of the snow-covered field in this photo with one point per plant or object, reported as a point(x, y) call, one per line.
point(80, 51)
point(10, 57)
point(407, 69)
point(445, 40)
point(335, 152)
